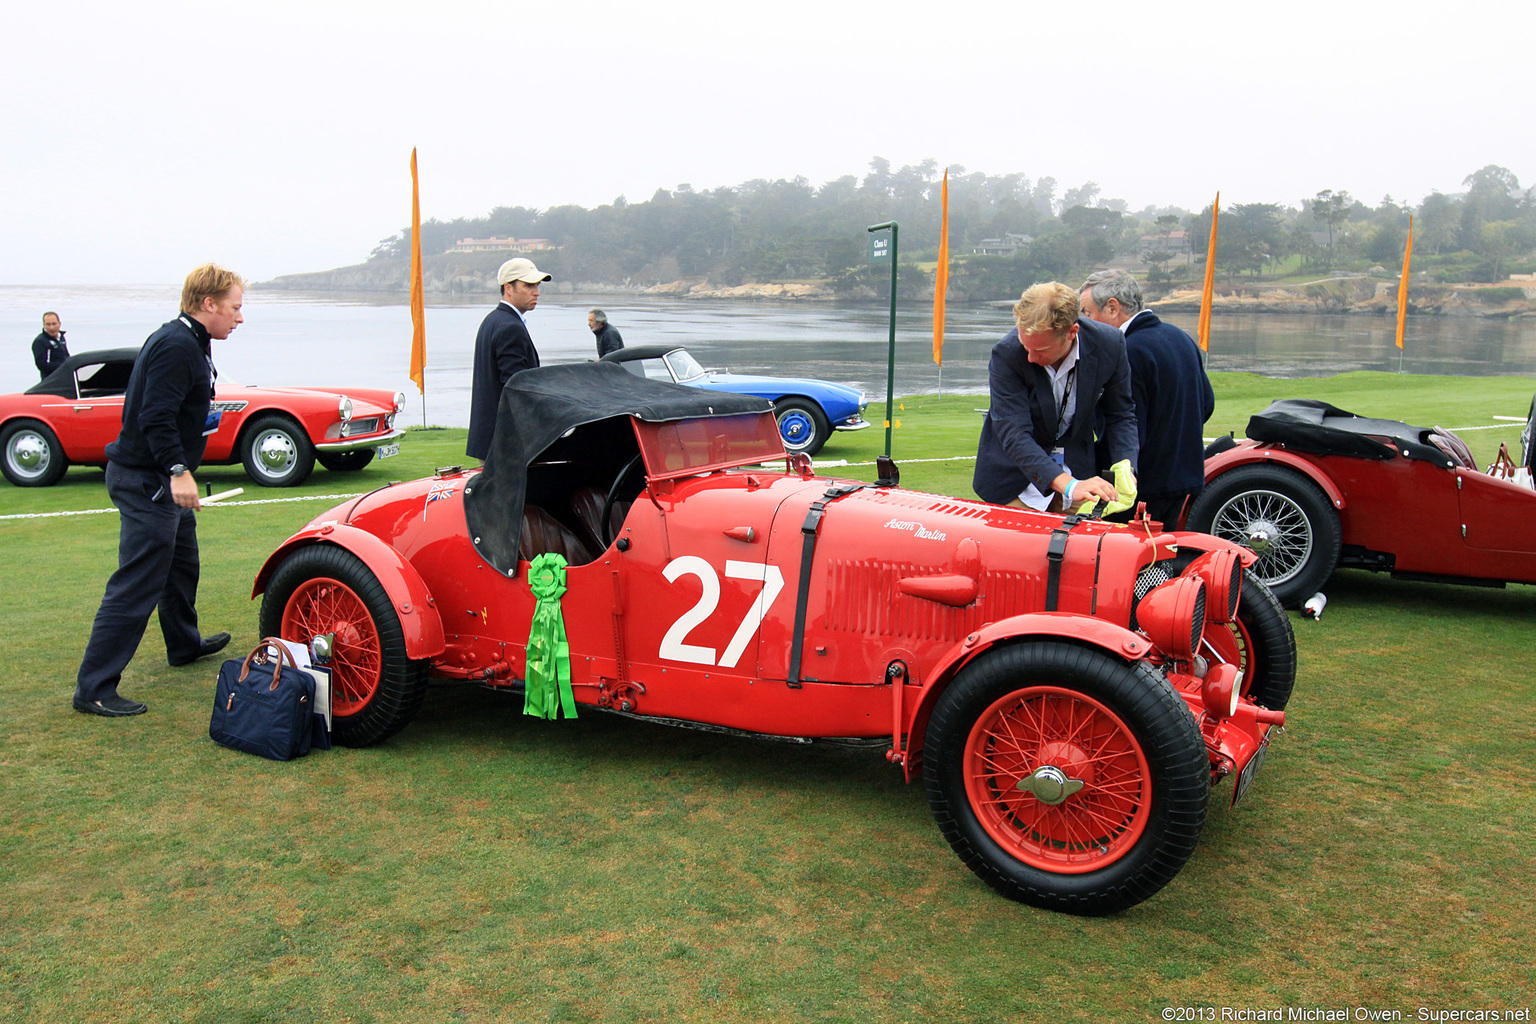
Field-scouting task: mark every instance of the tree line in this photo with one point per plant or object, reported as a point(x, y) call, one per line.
point(789, 230)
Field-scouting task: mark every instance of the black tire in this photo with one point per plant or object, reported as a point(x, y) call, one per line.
point(32, 455)
point(1284, 517)
point(802, 425)
point(1017, 710)
point(345, 462)
point(276, 452)
point(376, 688)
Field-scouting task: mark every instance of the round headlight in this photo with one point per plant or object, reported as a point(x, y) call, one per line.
point(399, 401)
point(1173, 616)
point(1222, 572)
point(344, 408)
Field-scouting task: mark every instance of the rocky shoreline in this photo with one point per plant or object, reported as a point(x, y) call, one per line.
point(474, 275)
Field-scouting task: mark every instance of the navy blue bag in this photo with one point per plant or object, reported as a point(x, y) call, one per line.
point(261, 709)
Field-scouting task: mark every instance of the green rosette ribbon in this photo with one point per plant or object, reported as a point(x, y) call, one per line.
point(547, 681)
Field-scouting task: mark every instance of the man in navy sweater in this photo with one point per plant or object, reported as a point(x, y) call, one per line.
point(149, 479)
point(49, 349)
point(1169, 387)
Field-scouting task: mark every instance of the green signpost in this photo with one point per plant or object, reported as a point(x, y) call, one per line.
point(882, 249)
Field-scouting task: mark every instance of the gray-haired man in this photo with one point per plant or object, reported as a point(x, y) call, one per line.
point(608, 337)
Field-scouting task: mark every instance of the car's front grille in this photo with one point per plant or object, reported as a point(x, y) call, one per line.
point(363, 425)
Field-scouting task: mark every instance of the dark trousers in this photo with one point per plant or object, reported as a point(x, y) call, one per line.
point(157, 567)
point(1167, 508)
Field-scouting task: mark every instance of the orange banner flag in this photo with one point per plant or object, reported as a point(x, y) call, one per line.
point(941, 276)
point(418, 300)
point(1402, 289)
point(1210, 279)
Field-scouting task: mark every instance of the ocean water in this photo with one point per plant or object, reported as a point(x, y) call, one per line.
point(337, 340)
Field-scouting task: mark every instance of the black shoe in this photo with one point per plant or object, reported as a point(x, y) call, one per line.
point(111, 707)
point(210, 645)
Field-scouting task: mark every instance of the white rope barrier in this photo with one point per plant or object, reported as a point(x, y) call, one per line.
point(338, 497)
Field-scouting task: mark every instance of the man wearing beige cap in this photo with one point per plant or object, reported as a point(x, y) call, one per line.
point(502, 348)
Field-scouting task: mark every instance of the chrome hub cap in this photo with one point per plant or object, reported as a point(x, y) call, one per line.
point(29, 453)
point(1050, 785)
point(276, 452)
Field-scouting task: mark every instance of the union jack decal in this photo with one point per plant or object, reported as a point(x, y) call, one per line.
point(437, 493)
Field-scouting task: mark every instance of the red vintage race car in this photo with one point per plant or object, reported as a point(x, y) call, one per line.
point(1315, 488)
point(276, 433)
point(1067, 689)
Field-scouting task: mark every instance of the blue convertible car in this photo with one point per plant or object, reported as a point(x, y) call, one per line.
point(808, 410)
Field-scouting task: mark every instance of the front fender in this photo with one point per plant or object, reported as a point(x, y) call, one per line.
point(407, 591)
point(1114, 640)
point(1207, 542)
point(1243, 455)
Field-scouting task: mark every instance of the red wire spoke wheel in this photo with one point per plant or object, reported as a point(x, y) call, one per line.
point(323, 605)
point(1019, 740)
point(376, 687)
point(1066, 777)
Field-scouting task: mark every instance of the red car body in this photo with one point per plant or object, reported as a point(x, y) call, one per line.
point(1316, 488)
point(1068, 689)
point(277, 433)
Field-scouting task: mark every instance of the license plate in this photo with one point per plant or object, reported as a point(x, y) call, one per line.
point(1250, 770)
point(386, 450)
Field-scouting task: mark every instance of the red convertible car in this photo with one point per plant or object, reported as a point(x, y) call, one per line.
point(1315, 488)
point(277, 433)
point(1068, 690)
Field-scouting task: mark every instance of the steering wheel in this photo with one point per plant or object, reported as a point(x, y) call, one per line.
point(613, 496)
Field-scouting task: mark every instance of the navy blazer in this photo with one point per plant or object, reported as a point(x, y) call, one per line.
point(1173, 400)
point(502, 348)
point(1020, 427)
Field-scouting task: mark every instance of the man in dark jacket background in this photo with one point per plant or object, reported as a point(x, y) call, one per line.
point(1172, 394)
point(48, 349)
point(608, 337)
point(1050, 378)
point(166, 411)
point(502, 348)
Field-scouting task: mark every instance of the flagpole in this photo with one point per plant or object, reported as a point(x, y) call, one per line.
point(1210, 279)
point(418, 300)
point(1402, 295)
point(941, 283)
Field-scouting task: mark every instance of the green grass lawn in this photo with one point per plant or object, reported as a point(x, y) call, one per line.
point(482, 866)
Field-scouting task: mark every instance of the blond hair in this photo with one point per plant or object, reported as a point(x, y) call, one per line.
point(209, 281)
point(1049, 306)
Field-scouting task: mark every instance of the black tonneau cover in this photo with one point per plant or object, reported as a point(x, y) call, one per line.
point(1307, 425)
point(539, 406)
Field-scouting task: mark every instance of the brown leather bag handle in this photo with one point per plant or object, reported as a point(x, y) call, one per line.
point(261, 649)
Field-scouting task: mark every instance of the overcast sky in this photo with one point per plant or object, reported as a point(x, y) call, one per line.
point(141, 139)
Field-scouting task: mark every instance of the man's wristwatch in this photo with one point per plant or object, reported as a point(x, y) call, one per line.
point(178, 469)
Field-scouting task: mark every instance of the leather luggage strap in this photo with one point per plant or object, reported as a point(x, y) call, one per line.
point(807, 552)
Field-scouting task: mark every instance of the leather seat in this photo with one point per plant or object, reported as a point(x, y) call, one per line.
point(587, 505)
point(544, 534)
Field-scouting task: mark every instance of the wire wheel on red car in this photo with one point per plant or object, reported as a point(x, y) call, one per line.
point(325, 590)
point(1285, 518)
point(276, 452)
point(1066, 778)
point(1260, 642)
point(32, 455)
